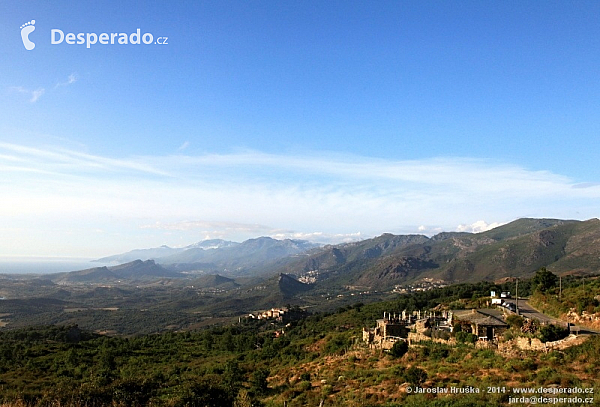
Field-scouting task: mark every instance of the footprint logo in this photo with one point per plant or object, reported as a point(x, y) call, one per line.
point(27, 29)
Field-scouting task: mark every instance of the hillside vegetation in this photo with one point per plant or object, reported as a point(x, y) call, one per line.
point(516, 249)
point(577, 302)
point(146, 297)
point(319, 359)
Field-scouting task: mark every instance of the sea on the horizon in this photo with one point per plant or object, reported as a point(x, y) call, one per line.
point(44, 265)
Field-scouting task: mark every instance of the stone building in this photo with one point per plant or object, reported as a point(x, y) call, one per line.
point(388, 331)
point(486, 325)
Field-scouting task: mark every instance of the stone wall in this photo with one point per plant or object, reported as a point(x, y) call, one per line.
point(415, 337)
point(535, 344)
point(585, 319)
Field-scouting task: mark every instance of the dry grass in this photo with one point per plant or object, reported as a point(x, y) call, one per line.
point(21, 403)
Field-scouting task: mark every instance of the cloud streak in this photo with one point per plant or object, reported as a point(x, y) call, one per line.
point(35, 95)
point(71, 79)
point(60, 161)
point(326, 197)
point(223, 230)
point(478, 227)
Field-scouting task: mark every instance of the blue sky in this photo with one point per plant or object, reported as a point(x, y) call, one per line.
point(330, 121)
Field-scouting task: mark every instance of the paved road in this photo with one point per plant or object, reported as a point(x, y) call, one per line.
point(526, 310)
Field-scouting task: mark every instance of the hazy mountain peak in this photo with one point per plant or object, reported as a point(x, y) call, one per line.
point(209, 244)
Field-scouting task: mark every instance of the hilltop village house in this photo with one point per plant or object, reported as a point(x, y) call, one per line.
point(283, 315)
point(437, 326)
point(486, 325)
point(392, 328)
point(388, 331)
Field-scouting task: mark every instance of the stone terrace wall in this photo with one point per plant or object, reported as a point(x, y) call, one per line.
point(418, 337)
point(536, 345)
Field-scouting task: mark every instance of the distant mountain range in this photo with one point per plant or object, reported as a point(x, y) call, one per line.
point(239, 258)
point(136, 270)
point(516, 249)
point(164, 251)
point(251, 257)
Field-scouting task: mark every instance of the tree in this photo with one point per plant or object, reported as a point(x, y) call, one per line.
point(399, 349)
point(544, 280)
point(551, 333)
point(465, 337)
point(258, 381)
point(415, 376)
point(205, 392)
point(232, 378)
point(515, 321)
point(305, 376)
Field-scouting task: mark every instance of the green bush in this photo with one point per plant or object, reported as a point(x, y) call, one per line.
point(327, 390)
point(544, 280)
point(548, 375)
point(440, 334)
point(515, 321)
point(399, 349)
point(439, 352)
point(415, 376)
point(521, 365)
point(465, 337)
point(551, 333)
point(304, 386)
point(258, 381)
point(337, 344)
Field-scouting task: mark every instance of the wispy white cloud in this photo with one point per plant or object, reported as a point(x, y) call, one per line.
point(209, 227)
point(465, 173)
point(219, 230)
point(36, 94)
point(478, 227)
point(72, 78)
point(33, 95)
point(320, 237)
point(57, 161)
point(180, 199)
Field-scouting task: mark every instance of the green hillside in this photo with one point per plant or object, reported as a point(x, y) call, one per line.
point(516, 249)
point(315, 361)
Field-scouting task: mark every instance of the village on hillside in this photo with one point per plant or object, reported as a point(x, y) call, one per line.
point(484, 327)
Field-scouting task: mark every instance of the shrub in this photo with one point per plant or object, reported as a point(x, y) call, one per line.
point(547, 375)
point(521, 365)
point(399, 349)
point(550, 333)
point(258, 381)
point(398, 371)
point(441, 334)
point(554, 358)
point(304, 385)
point(415, 376)
point(515, 321)
point(465, 337)
point(337, 344)
point(439, 352)
point(327, 390)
